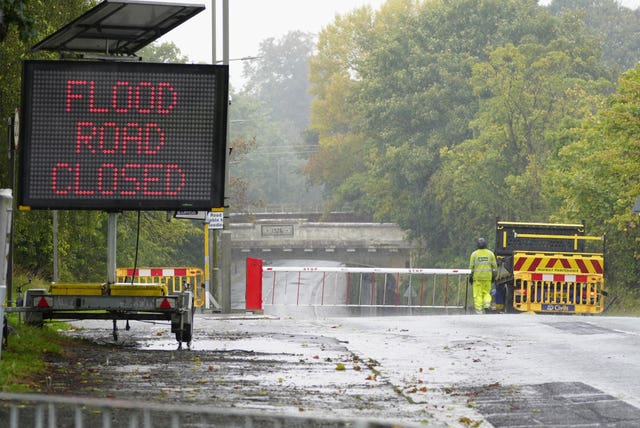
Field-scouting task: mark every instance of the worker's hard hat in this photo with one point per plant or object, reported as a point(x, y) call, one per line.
point(481, 243)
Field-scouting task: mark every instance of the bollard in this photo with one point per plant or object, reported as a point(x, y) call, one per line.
point(253, 292)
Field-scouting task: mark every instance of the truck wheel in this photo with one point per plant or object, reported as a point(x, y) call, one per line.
point(508, 300)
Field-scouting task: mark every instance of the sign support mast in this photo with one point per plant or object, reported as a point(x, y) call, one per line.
point(220, 282)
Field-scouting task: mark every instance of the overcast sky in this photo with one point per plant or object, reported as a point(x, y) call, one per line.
point(252, 21)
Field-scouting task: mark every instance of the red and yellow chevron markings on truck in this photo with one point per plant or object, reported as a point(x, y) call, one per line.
point(576, 264)
point(558, 282)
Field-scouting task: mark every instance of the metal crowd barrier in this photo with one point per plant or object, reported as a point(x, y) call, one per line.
point(366, 287)
point(40, 411)
point(175, 278)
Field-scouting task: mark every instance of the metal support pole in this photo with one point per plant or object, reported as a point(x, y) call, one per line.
point(213, 32)
point(112, 233)
point(225, 32)
point(215, 284)
point(6, 220)
point(3, 292)
point(213, 265)
point(225, 273)
point(207, 274)
point(225, 277)
point(210, 244)
point(55, 245)
point(12, 145)
point(220, 284)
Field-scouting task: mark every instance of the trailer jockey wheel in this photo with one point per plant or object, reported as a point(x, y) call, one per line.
point(182, 321)
point(115, 331)
point(185, 335)
point(184, 329)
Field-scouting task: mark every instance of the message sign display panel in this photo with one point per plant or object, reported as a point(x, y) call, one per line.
point(122, 135)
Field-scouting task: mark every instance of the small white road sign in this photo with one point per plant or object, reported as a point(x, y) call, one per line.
point(216, 220)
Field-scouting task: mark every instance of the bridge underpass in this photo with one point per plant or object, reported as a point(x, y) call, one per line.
point(299, 240)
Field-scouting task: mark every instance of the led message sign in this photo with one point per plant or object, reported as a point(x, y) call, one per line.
point(122, 135)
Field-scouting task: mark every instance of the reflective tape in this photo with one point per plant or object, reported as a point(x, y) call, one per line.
point(558, 277)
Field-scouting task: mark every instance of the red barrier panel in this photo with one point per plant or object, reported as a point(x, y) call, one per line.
point(253, 292)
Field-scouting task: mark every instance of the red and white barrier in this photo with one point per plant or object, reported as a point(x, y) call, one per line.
point(354, 286)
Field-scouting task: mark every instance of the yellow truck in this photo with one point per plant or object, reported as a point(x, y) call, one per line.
point(549, 268)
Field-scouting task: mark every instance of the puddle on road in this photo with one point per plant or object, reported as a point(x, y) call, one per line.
point(266, 345)
point(284, 361)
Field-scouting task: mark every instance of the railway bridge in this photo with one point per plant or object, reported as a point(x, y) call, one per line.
point(334, 237)
point(311, 239)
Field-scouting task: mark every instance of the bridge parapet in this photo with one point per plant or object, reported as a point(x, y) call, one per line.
point(374, 244)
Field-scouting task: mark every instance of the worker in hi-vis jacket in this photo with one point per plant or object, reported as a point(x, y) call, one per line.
point(483, 271)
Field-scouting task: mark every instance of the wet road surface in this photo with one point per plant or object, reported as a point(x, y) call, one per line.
point(456, 370)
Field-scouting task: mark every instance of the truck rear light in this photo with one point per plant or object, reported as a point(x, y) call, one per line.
point(165, 303)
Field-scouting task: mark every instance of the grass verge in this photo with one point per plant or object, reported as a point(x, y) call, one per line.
point(23, 360)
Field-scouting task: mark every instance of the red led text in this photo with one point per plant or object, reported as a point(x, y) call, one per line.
point(165, 180)
point(108, 138)
point(123, 97)
point(119, 142)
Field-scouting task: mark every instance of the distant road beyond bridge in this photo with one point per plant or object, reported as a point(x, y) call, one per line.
point(274, 237)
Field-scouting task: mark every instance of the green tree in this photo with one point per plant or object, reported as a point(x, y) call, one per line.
point(598, 178)
point(484, 86)
point(530, 96)
point(272, 111)
point(246, 116)
point(278, 78)
point(166, 52)
point(615, 25)
point(14, 12)
point(341, 156)
point(159, 239)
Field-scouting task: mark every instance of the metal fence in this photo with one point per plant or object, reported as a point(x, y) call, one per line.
point(442, 289)
point(46, 411)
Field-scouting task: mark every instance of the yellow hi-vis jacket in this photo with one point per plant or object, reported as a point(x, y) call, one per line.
point(483, 265)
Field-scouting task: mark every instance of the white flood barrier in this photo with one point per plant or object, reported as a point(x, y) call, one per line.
point(364, 291)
